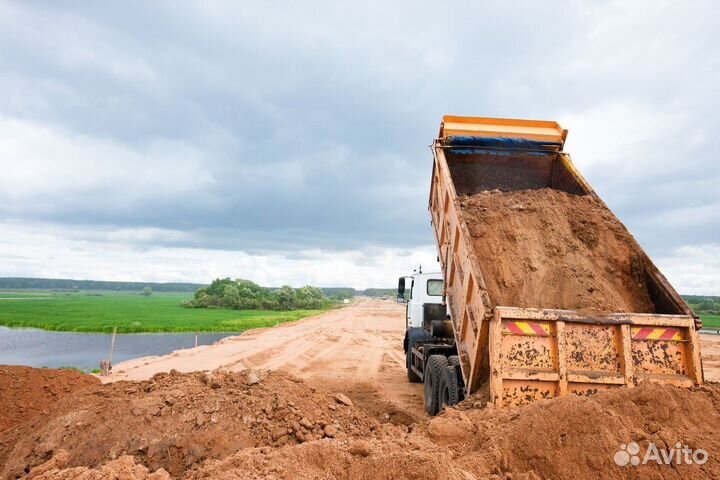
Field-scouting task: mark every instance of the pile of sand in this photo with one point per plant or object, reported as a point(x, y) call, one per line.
point(578, 437)
point(26, 392)
point(256, 426)
point(550, 249)
point(569, 438)
point(177, 421)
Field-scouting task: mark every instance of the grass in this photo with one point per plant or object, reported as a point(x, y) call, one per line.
point(130, 313)
point(23, 294)
point(710, 321)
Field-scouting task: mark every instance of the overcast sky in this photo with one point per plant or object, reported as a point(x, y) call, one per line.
point(287, 142)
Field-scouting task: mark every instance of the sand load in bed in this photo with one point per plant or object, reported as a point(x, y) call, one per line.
point(551, 249)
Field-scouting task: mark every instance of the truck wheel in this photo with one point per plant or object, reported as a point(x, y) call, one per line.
point(433, 371)
point(448, 388)
point(412, 337)
point(412, 376)
point(454, 361)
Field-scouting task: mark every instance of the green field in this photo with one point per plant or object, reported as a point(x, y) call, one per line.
point(710, 321)
point(130, 313)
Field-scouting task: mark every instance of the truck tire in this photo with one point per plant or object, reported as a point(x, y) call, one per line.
point(432, 373)
point(411, 375)
point(448, 390)
point(454, 361)
point(412, 337)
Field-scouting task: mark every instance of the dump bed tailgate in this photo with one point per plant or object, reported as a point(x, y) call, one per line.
point(538, 354)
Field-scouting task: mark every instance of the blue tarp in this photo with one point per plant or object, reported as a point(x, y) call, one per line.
point(499, 142)
point(464, 145)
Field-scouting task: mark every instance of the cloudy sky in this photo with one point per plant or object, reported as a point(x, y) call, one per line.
point(286, 142)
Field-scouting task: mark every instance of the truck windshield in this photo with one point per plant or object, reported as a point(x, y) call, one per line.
point(435, 288)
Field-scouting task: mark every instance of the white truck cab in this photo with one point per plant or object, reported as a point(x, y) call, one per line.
point(429, 334)
point(416, 290)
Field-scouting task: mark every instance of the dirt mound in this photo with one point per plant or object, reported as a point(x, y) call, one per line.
point(398, 458)
point(26, 392)
point(565, 438)
point(176, 421)
point(578, 437)
point(549, 249)
point(125, 468)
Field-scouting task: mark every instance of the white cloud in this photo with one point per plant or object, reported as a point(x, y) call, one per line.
point(694, 269)
point(49, 251)
point(621, 135)
point(42, 162)
point(294, 132)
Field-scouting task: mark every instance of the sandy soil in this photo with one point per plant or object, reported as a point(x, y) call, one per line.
point(26, 392)
point(356, 349)
point(549, 249)
point(177, 421)
point(262, 425)
point(711, 356)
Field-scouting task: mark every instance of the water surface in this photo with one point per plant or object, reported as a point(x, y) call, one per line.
point(41, 348)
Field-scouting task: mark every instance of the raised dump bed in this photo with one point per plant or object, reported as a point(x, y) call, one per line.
point(547, 292)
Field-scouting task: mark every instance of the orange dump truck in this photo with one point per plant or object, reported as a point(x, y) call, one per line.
point(546, 292)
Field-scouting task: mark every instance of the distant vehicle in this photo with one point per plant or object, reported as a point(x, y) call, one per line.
point(346, 301)
point(384, 297)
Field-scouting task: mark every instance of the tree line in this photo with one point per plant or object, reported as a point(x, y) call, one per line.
point(704, 304)
point(58, 284)
point(19, 283)
point(247, 295)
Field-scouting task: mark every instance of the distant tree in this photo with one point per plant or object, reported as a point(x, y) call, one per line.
point(706, 304)
point(147, 291)
point(202, 300)
point(270, 303)
point(251, 294)
point(230, 297)
point(342, 293)
point(286, 297)
point(246, 295)
point(309, 297)
point(217, 287)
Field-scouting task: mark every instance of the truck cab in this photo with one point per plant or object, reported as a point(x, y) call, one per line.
point(417, 290)
point(428, 333)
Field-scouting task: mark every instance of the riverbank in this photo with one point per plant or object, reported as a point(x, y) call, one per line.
point(101, 312)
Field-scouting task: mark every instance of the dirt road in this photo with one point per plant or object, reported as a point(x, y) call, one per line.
point(711, 356)
point(356, 349)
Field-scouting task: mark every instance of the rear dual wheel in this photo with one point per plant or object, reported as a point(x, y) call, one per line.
point(433, 371)
point(411, 375)
point(449, 390)
point(441, 383)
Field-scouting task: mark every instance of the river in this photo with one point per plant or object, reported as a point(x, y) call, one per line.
point(41, 348)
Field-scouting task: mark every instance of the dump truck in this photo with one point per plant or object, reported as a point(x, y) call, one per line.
point(500, 334)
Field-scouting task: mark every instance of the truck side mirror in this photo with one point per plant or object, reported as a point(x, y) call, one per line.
point(401, 289)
